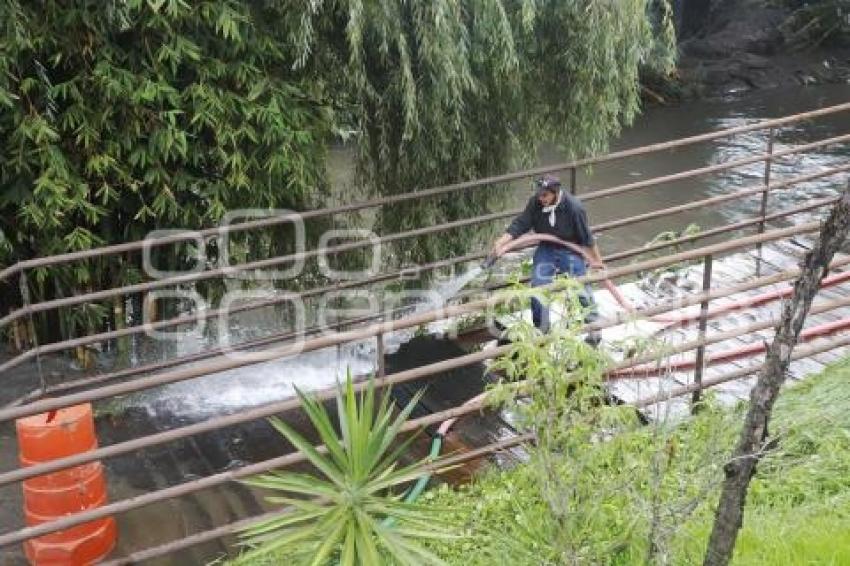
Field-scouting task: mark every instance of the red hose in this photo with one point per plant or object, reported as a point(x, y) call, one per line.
point(668, 320)
point(761, 299)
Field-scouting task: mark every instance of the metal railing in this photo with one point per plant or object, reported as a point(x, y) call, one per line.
point(378, 202)
point(31, 309)
point(430, 370)
point(377, 328)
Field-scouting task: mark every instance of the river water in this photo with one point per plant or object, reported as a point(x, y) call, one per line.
point(258, 383)
point(235, 390)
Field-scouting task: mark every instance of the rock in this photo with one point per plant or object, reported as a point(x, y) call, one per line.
point(742, 48)
point(753, 61)
point(706, 49)
point(805, 78)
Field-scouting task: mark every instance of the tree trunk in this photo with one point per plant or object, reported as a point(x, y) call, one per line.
point(742, 465)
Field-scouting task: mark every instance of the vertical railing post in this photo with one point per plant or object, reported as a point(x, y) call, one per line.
point(573, 186)
point(699, 366)
point(764, 195)
point(379, 353)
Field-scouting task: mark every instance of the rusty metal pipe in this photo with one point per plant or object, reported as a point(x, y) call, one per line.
point(192, 486)
point(633, 152)
point(236, 526)
point(800, 352)
point(272, 262)
point(381, 328)
point(215, 313)
point(73, 343)
point(235, 269)
point(297, 457)
point(400, 377)
point(711, 201)
point(128, 372)
point(231, 528)
point(620, 189)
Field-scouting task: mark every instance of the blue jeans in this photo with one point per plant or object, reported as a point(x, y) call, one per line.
point(551, 260)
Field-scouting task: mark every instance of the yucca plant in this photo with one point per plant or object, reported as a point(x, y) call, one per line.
point(354, 510)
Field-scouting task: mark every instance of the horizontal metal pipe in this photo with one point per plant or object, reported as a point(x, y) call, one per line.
point(232, 528)
point(206, 354)
point(272, 262)
point(216, 352)
point(215, 313)
point(736, 353)
point(296, 457)
point(381, 328)
point(248, 415)
point(723, 229)
point(620, 189)
point(191, 540)
point(394, 379)
point(633, 152)
point(216, 479)
point(622, 369)
point(192, 486)
point(235, 269)
point(94, 338)
point(712, 201)
point(212, 353)
point(146, 368)
point(823, 345)
point(237, 526)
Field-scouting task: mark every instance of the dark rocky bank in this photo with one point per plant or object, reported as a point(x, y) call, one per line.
point(745, 45)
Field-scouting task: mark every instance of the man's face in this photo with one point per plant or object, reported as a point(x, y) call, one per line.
point(547, 198)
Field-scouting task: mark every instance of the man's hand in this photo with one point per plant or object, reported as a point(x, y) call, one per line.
point(594, 258)
point(496, 250)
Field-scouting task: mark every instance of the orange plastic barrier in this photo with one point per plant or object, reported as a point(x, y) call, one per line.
point(46, 437)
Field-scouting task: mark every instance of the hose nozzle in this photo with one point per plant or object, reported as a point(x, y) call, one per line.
point(489, 262)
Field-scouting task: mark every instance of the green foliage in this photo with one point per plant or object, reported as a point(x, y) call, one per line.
point(634, 489)
point(449, 90)
point(124, 117)
point(343, 514)
point(815, 22)
point(130, 116)
point(797, 512)
point(595, 489)
point(813, 430)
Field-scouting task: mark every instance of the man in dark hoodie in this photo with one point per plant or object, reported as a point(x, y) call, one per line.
point(551, 210)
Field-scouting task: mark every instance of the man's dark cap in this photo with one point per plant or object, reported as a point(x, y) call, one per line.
point(547, 183)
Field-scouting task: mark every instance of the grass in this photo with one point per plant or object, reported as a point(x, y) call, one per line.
point(798, 508)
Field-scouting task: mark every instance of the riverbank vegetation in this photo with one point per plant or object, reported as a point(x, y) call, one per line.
point(156, 114)
point(814, 23)
point(649, 481)
point(350, 512)
point(603, 484)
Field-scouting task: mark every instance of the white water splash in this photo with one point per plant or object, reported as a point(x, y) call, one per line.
point(451, 288)
point(259, 383)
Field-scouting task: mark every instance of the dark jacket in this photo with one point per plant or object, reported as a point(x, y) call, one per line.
point(570, 221)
